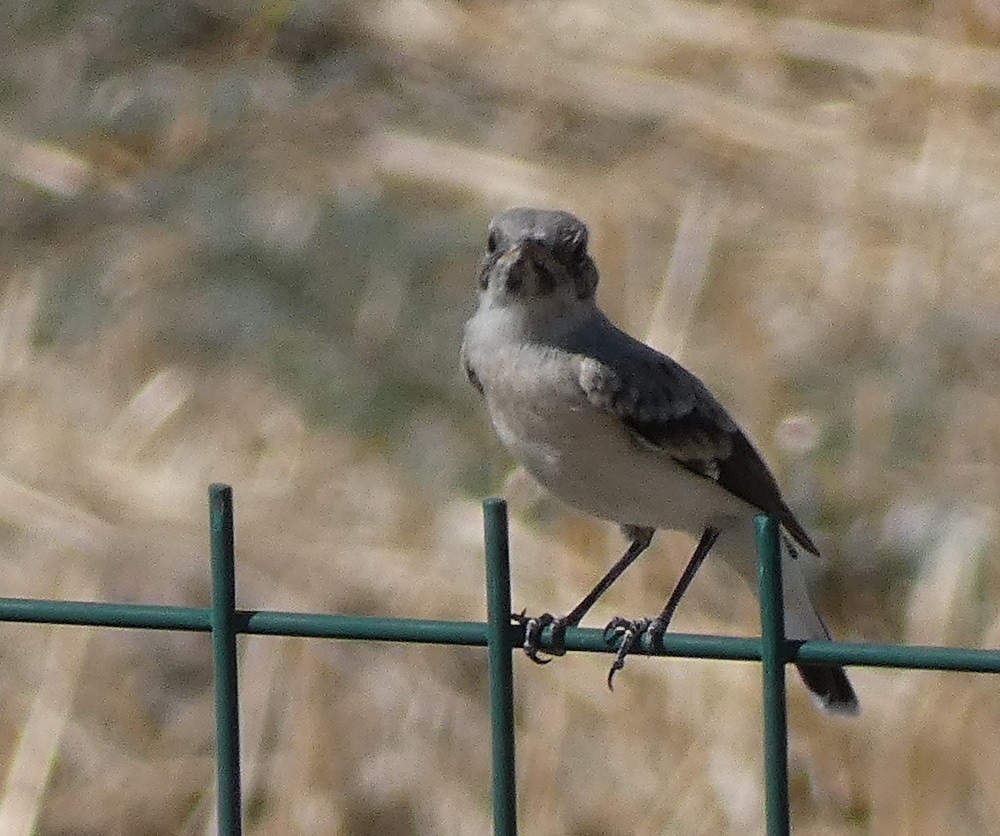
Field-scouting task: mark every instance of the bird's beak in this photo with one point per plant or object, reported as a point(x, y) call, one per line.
point(514, 266)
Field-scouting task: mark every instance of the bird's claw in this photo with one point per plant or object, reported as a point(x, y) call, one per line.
point(630, 632)
point(533, 628)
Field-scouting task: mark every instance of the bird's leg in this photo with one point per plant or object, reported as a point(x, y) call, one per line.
point(533, 626)
point(632, 631)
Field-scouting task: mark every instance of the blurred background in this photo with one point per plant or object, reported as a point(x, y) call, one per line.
point(238, 244)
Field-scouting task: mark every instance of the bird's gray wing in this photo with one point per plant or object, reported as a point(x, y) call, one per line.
point(668, 409)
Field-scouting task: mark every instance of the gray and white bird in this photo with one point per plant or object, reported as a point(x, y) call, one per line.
point(621, 431)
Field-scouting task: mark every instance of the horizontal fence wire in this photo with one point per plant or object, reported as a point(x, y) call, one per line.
point(501, 637)
point(473, 634)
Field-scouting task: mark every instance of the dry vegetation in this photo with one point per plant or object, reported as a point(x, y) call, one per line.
point(238, 244)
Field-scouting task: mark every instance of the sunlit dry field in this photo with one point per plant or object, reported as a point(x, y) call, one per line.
point(238, 244)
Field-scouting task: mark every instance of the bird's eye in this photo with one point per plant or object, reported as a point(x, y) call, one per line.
point(491, 243)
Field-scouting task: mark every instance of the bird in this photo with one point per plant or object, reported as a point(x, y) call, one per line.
point(622, 432)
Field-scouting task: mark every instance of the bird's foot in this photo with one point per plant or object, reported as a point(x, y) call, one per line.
point(631, 632)
point(533, 627)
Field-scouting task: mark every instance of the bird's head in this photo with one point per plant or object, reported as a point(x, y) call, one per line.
point(536, 258)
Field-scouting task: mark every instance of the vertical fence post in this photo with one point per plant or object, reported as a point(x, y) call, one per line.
point(772, 627)
point(500, 666)
point(227, 719)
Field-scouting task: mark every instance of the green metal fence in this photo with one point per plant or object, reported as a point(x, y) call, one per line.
point(500, 637)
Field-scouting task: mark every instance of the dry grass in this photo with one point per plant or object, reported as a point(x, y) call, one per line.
point(238, 246)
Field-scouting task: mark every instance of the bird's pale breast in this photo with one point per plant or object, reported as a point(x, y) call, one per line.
point(586, 456)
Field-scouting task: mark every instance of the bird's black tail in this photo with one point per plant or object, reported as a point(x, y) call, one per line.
point(828, 684)
point(830, 687)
